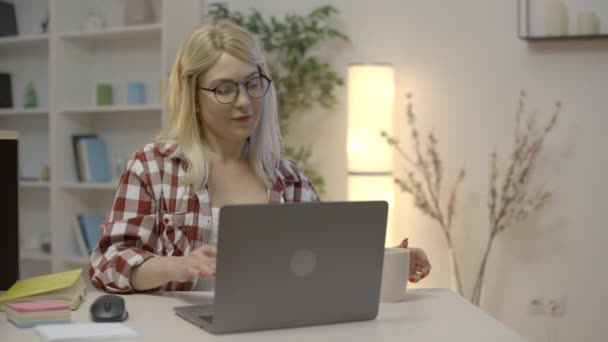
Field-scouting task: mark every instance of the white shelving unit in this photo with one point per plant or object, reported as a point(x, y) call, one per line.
point(35, 184)
point(128, 32)
point(152, 108)
point(24, 40)
point(88, 186)
point(35, 256)
point(66, 64)
point(23, 111)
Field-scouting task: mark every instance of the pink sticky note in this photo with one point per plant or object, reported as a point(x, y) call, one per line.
point(41, 305)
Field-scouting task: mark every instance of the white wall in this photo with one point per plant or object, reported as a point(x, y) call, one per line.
point(464, 64)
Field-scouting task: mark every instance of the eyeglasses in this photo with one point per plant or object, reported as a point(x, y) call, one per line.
point(228, 91)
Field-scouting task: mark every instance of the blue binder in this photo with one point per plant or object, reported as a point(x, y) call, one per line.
point(91, 230)
point(98, 160)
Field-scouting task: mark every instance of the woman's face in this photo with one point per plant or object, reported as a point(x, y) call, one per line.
point(239, 118)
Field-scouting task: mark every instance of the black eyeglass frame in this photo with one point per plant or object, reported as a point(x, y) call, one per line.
point(238, 88)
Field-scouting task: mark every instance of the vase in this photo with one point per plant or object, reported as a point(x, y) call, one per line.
point(136, 93)
point(139, 12)
point(453, 280)
point(588, 23)
point(104, 95)
point(30, 99)
point(556, 21)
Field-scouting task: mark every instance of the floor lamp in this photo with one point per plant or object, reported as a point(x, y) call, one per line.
point(371, 93)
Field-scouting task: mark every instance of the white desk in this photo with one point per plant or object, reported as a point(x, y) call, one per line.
point(426, 315)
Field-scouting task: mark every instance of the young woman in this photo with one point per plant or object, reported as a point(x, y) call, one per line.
point(224, 147)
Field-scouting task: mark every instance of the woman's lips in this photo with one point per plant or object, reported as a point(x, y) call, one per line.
point(242, 118)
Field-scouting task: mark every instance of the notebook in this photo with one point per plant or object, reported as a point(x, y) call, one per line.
point(29, 314)
point(43, 305)
point(68, 286)
point(85, 332)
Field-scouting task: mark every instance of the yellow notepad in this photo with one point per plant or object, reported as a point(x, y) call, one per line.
point(67, 286)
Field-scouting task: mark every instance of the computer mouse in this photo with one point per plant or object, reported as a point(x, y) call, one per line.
point(109, 308)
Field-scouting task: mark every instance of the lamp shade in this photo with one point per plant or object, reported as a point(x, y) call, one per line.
point(371, 94)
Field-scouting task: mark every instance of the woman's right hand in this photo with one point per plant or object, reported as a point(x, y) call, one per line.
point(200, 263)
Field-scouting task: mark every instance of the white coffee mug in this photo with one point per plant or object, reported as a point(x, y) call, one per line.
point(395, 274)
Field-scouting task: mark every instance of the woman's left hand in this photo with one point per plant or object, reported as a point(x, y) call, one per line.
point(420, 267)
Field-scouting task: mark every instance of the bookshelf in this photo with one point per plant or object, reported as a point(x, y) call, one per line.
point(89, 186)
point(23, 111)
point(151, 108)
point(35, 184)
point(35, 256)
point(128, 33)
point(25, 40)
point(66, 64)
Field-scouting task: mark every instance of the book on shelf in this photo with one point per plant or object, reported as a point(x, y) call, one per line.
point(81, 246)
point(75, 147)
point(8, 20)
point(91, 158)
point(69, 286)
point(87, 228)
point(6, 91)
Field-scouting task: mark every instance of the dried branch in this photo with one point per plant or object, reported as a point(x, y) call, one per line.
point(424, 181)
point(517, 200)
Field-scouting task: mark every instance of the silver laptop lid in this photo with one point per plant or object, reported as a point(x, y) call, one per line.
point(290, 265)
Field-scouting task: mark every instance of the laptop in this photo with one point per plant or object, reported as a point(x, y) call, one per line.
point(294, 265)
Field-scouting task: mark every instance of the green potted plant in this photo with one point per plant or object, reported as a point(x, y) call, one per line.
point(302, 79)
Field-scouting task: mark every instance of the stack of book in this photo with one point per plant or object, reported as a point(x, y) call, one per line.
point(29, 314)
point(68, 287)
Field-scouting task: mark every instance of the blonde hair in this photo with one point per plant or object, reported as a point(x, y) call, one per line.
point(198, 52)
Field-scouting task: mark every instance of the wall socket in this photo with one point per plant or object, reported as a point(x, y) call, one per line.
point(540, 305)
point(556, 306)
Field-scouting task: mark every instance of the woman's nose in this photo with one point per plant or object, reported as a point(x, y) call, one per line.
point(242, 98)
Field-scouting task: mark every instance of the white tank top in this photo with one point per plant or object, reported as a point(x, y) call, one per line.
point(208, 283)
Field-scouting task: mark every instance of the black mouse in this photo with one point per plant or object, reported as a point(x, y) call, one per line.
point(109, 308)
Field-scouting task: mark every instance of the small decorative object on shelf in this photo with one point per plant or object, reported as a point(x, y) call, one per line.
point(556, 21)
point(45, 242)
point(8, 20)
point(94, 22)
point(588, 23)
point(119, 164)
point(104, 94)
point(45, 174)
point(6, 92)
point(136, 93)
point(139, 12)
point(44, 25)
point(30, 99)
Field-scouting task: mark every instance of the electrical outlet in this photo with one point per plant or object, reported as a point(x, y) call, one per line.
point(537, 305)
point(556, 306)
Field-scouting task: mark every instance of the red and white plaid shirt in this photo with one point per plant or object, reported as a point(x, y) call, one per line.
point(154, 215)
